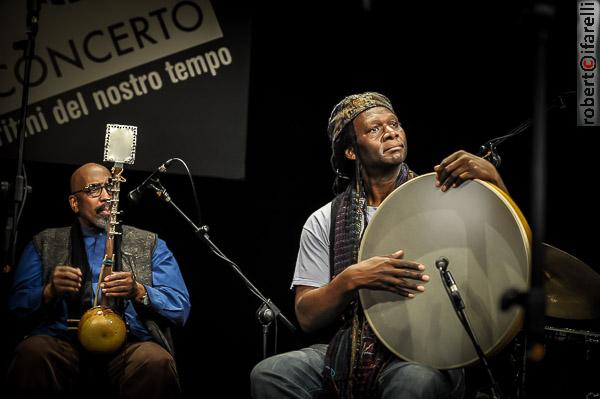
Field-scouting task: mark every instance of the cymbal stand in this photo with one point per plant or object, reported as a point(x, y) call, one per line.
point(459, 307)
point(268, 311)
point(519, 363)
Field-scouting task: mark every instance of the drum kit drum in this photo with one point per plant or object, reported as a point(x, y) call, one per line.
point(487, 242)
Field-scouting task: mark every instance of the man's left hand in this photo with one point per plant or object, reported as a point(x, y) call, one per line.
point(120, 284)
point(462, 166)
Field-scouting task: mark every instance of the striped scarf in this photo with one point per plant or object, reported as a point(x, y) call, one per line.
point(355, 356)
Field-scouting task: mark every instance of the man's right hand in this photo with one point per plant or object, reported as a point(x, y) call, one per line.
point(390, 273)
point(317, 307)
point(64, 279)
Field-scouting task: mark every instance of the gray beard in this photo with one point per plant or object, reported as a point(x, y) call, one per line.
point(101, 223)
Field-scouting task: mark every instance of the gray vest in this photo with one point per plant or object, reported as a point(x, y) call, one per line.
point(54, 247)
point(137, 246)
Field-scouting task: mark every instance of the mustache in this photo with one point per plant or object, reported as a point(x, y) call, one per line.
point(101, 208)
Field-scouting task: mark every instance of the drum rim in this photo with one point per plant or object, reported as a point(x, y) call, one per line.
point(516, 323)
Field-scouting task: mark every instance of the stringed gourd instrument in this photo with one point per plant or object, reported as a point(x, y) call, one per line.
point(101, 329)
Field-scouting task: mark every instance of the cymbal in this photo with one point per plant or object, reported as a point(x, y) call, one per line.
point(572, 287)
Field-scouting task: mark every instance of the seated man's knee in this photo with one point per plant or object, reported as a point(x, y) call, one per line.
point(422, 374)
point(301, 367)
point(286, 362)
point(265, 369)
point(285, 375)
point(415, 380)
point(43, 364)
point(33, 350)
point(286, 366)
point(149, 371)
point(158, 360)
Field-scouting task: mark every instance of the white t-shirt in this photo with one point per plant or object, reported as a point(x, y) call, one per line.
point(312, 264)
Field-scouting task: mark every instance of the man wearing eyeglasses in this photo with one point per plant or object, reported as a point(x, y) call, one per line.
point(56, 279)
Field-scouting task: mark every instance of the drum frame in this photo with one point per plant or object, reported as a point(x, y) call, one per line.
point(521, 227)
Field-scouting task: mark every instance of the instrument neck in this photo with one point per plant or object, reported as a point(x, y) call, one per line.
point(109, 251)
point(107, 265)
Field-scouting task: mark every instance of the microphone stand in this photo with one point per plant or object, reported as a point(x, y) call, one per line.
point(533, 301)
point(459, 307)
point(268, 311)
point(488, 149)
point(20, 187)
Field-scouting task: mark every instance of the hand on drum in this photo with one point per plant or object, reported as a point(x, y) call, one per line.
point(462, 166)
point(64, 279)
point(390, 273)
point(119, 284)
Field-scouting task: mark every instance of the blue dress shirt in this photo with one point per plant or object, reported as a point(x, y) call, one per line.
point(168, 296)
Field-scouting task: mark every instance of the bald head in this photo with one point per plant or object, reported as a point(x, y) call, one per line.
point(92, 211)
point(88, 173)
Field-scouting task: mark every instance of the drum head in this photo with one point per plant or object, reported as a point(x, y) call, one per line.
point(481, 232)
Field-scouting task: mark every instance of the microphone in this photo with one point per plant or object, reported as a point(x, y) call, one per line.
point(490, 148)
point(135, 194)
point(442, 265)
point(33, 15)
point(450, 281)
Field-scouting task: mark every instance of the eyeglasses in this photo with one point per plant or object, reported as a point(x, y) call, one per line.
point(95, 189)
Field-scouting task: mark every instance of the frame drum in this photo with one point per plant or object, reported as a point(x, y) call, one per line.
point(487, 242)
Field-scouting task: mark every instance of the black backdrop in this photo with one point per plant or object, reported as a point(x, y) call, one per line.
point(457, 75)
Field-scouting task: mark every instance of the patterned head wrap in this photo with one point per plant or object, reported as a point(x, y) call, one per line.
point(350, 107)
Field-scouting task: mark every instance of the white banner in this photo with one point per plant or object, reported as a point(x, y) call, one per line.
point(177, 69)
point(81, 42)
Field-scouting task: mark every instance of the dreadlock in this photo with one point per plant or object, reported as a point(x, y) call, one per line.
point(346, 171)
